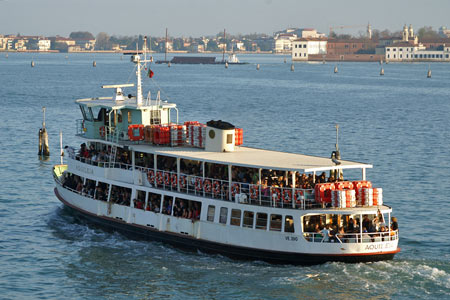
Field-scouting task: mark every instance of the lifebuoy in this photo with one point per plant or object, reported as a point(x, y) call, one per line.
point(159, 177)
point(216, 187)
point(276, 194)
point(207, 186)
point(102, 131)
point(182, 181)
point(234, 189)
point(166, 178)
point(298, 195)
point(131, 135)
point(287, 195)
point(198, 184)
point(173, 180)
point(254, 191)
point(151, 176)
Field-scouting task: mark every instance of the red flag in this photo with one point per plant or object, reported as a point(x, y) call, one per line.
point(150, 73)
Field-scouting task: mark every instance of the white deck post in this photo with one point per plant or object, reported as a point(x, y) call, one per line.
point(178, 173)
point(229, 183)
point(203, 180)
point(293, 189)
point(360, 228)
point(146, 201)
point(363, 173)
point(259, 186)
point(155, 166)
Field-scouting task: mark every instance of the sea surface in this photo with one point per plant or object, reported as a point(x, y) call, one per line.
point(399, 122)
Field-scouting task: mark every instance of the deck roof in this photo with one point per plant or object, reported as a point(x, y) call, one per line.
point(108, 102)
point(254, 158)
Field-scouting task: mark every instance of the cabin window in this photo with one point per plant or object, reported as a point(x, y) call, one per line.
point(97, 113)
point(139, 201)
point(229, 139)
point(275, 222)
point(153, 202)
point(261, 221)
point(120, 195)
point(288, 224)
point(235, 217)
point(129, 117)
point(211, 212)
point(101, 191)
point(248, 219)
point(223, 215)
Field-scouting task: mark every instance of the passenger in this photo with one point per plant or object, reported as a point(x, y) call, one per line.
point(341, 235)
point(394, 224)
point(350, 226)
point(326, 234)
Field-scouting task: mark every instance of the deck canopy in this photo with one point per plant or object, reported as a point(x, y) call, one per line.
point(110, 103)
point(255, 158)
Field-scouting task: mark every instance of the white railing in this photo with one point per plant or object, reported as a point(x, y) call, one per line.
point(281, 197)
point(371, 237)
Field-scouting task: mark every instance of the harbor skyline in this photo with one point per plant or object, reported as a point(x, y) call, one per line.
point(201, 17)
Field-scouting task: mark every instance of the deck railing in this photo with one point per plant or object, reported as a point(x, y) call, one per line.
point(365, 237)
point(241, 192)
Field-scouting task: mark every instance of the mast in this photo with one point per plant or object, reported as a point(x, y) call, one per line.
point(165, 53)
point(225, 45)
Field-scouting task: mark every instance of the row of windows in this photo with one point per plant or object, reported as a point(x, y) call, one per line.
point(399, 49)
point(299, 54)
point(251, 219)
point(300, 46)
point(421, 56)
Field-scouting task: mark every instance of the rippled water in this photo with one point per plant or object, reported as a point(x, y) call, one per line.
point(399, 122)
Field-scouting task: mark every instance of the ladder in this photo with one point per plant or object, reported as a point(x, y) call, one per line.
point(112, 157)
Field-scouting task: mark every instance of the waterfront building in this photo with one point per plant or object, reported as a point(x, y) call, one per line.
point(404, 52)
point(349, 46)
point(302, 48)
point(283, 42)
point(44, 44)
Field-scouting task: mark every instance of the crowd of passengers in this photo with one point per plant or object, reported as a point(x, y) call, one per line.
point(120, 195)
point(269, 178)
point(182, 208)
point(370, 229)
point(100, 153)
point(75, 182)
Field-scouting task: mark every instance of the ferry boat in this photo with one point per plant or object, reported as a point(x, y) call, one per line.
point(142, 172)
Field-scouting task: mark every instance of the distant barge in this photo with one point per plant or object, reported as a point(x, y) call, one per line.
point(194, 60)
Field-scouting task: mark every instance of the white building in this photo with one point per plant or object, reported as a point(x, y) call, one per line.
point(44, 45)
point(283, 42)
point(407, 52)
point(302, 48)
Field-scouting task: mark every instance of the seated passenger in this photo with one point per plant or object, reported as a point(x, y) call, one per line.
point(341, 235)
point(394, 224)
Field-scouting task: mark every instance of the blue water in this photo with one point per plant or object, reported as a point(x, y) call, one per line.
point(399, 122)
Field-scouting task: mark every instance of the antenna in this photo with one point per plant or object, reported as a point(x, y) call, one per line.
point(43, 120)
point(165, 53)
point(337, 137)
point(224, 45)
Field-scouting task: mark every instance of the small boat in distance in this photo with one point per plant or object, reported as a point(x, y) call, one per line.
point(142, 172)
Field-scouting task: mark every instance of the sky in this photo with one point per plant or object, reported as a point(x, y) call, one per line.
point(185, 18)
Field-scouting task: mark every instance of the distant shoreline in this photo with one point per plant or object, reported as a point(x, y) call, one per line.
point(132, 51)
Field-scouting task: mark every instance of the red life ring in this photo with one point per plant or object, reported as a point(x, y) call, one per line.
point(207, 186)
point(182, 181)
point(198, 184)
point(254, 191)
point(234, 189)
point(166, 178)
point(287, 195)
point(151, 176)
point(102, 131)
point(216, 187)
point(131, 135)
point(298, 195)
point(276, 192)
point(159, 177)
point(173, 180)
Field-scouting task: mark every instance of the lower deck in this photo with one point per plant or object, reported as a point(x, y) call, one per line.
point(228, 224)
